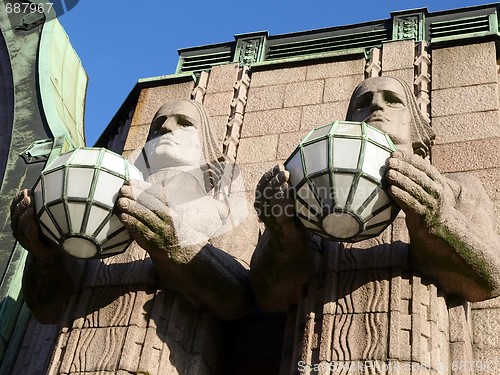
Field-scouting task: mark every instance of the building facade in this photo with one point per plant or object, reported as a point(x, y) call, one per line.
point(264, 94)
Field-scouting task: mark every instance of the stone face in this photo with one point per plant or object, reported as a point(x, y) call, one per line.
point(470, 64)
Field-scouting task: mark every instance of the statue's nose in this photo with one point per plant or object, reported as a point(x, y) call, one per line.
point(377, 102)
point(170, 125)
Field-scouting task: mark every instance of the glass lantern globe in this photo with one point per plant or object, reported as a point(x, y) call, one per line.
point(75, 198)
point(337, 175)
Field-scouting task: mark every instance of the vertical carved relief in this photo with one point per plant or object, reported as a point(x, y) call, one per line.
point(233, 130)
point(423, 78)
point(373, 64)
point(200, 89)
point(117, 142)
point(250, 48)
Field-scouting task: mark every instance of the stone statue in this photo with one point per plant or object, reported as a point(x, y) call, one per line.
point(449, 218)
point(189, 202)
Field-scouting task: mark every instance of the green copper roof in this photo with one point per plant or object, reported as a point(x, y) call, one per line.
point(437, 28)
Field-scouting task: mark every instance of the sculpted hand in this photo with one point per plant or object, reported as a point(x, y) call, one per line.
point(144, 212)
point(26, 229)
point(273, 201)
point(419, 189)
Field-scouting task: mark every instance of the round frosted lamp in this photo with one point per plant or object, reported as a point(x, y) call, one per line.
point(75, 198)
point(337, 174)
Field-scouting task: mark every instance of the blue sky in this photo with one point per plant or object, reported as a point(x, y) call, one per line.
point(121, 41)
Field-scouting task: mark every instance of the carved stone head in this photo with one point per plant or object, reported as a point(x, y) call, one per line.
point(181, 136)
point(388, 104)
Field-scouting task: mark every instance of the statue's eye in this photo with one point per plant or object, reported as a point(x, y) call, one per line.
point(393, 99)
point(363, 101)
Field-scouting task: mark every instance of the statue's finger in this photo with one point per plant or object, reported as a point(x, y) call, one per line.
point(153, 217)
point(415, 190)
point(406, 201)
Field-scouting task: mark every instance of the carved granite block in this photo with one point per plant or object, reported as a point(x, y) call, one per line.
point(136, 137)
point(222, 78)
point(466, 126)
point(288, 142)
point(271, 122)
point(335, 69)
point(340, 88)
point(322, 114)
point(262, 98)
point(360, 336)
point(258, 149)
point(363, 291)
point(470, 64)
point(151, 355)
point(486, 328)
point(252, 173)
point(457, 100)
point(489, 179)
point(141, 310)
point(132, 348)
point(467, 156)
point(280, 76)
point(398, 55)
point(218, 104)
point(304, 93)
point(132, 267)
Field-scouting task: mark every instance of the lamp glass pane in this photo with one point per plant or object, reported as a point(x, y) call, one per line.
point(374, 161)
point(96, 216)
point(316, 156)
point(85, 157)
point(377, 136)
point(340, 225)
point(109, 228)
point(294, 166)
point(324, 189)
point(346, 153)
point(307, 195)
point(79, 182)
point(79, 247)
point(62, 159)
point(380, 217)
point(363, 190)
point(114, 163)
point(347, 128)
point(47, 221)
point(375, 230)
point(59, 214)
point(134, 173)
point(49, 235)
point(53, 185)
point(342, 184)
point(107, 189)
point(320, 132)
point(123, 236)
point(76, 213)
point(378, 201)
point(304, 211)
point(37, 194)
point(308, 224)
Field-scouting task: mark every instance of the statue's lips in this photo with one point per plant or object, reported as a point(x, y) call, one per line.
point(377, 118)
point(167, 141)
